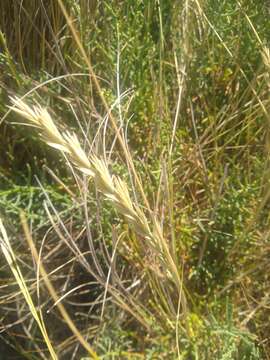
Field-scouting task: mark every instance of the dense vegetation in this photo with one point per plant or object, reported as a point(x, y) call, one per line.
point(134, 209)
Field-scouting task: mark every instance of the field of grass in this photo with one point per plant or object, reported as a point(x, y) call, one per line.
point(134, 179)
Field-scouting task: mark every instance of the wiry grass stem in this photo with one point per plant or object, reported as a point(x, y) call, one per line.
point(11, 260)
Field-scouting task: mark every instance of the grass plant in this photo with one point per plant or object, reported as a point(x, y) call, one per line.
point(148, 237)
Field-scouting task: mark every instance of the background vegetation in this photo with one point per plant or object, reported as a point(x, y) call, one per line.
point(186, 84)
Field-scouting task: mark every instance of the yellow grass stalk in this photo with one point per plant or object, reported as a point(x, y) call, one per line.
point(53, 293)
point(11, 260)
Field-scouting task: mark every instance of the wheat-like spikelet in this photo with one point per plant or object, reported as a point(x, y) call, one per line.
point(112, 187)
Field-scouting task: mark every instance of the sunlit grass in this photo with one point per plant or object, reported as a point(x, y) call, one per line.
point(159, 112)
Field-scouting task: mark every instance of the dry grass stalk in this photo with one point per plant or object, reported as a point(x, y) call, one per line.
point(113, 188)
point(53, 293)
point(11, 260)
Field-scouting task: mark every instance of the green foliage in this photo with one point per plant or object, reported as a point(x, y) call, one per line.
point(226, 230)
point(234, 343)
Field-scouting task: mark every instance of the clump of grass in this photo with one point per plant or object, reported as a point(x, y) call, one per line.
point(196, 125)
point(113, 188)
